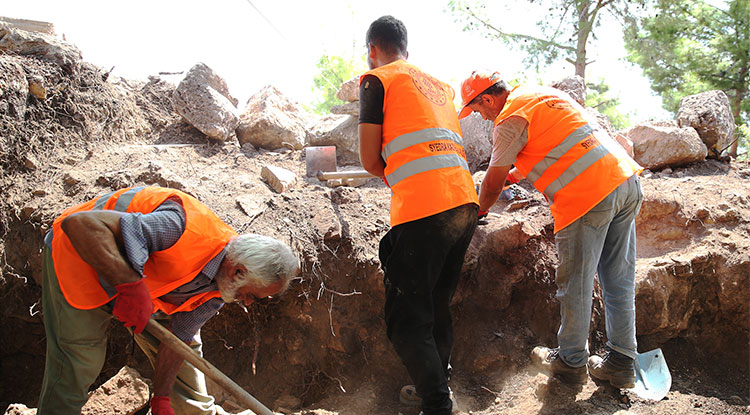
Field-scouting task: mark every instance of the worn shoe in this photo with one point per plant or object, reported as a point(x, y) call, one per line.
point(408, 396)
point(615, 367)
point(549, 361)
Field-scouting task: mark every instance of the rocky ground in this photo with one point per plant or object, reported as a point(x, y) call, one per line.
point(321, 348)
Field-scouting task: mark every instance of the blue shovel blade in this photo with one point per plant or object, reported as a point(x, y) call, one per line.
point(652, 377)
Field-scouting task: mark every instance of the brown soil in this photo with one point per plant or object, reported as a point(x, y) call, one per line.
point(324, 341)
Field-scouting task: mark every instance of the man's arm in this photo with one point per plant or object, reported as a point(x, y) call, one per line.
point(370, 144)
point(492, 186)
point(97, 237)
point(167, 365)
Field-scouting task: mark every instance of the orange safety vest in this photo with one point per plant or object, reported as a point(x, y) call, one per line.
point(204, 237)
point(569, 159)
point(425, 162)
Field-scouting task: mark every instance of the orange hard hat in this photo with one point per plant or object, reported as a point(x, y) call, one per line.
point(474, 85)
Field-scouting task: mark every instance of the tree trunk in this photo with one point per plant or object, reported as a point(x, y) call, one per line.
point(584, 28)
point(739, 95)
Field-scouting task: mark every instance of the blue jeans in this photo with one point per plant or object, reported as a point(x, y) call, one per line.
point(600, 242)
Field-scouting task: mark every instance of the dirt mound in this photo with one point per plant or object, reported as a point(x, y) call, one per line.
point(322, 346)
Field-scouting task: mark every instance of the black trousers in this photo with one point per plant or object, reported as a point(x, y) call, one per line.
point(422, 263)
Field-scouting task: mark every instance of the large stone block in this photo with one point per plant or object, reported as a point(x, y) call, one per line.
point(709, 113)
point(349, 91)
point(203, 100)
point(340, 131)
point(272, 121)
point(41, 45)
point(656, 147)
point(477, 135)
point(574, 86)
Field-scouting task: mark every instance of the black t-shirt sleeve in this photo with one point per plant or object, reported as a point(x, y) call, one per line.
point(371, 96)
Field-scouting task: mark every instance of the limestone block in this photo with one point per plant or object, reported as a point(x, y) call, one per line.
point(574, 86)
point(477, 136)
point(125, 393)
point(203, 100)
point(272, 121)
point(41, 45)
point(709, 113)
point(340, 131)
point(278, 178)
point(350, 108)
point(657, 147)
point(349, 91)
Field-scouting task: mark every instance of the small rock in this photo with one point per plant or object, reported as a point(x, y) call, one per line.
point(666, 171)
point(29, 161)
point(19, 409)
point(36, 87)
point(251, 205)
point(344, 195)
point(125, 393)
point(279, 179)
point(288, 403)
point(39, 192)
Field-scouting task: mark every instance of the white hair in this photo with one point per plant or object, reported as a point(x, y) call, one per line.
point(268, 261)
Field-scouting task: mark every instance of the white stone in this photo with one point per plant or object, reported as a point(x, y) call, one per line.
point(41, 45)
point(709, 113)
point(272, 121)
point(656, 147)
point(278, 178)
point(340, 131)
point(477, 136)
point(349, 91)
point(574, 86)
point(203, 100)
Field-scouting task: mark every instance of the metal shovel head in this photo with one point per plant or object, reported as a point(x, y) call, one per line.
point(652, 377)
point(318, 159)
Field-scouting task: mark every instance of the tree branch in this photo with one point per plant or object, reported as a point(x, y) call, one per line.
point(502, 34)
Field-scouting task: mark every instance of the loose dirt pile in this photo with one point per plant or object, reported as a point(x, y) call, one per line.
point(321, 348)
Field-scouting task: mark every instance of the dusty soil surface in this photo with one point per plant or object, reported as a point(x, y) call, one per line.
point(321, 348)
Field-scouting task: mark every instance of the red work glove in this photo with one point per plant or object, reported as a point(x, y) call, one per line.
point(133, 306)
point(510, 179)
point(160, 406)
point(482, 214)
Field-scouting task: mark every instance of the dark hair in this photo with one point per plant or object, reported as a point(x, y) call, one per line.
point(497, 89)
point(388, 34)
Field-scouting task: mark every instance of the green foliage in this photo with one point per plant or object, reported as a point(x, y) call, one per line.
point(333, 71)
point(690, 46)
point(563, 33)
point(743, 137)
point(598, 97)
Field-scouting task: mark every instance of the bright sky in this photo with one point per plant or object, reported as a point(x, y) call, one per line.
point(141, 38)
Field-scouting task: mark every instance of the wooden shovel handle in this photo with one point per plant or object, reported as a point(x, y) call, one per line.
point(166, 336)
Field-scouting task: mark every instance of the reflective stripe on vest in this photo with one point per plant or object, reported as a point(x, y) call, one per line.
point(418, 137)
point(564, 158)
point(425, 162)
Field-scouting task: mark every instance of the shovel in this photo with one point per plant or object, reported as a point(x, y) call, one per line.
point(652, 377)
point(321, 163)
point(166, 336)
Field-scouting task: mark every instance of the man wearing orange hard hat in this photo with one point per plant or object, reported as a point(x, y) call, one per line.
point(594, 192)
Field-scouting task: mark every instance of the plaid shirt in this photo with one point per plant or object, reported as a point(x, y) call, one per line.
point(144, 233)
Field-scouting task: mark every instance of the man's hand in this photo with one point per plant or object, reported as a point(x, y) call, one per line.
point(133, 305)
point(160, 406)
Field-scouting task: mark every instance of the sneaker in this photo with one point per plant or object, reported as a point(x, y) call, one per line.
point(549, 361)
point(615, 367)
point(408, 396)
